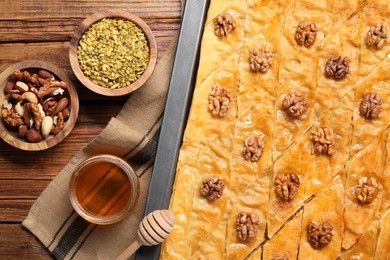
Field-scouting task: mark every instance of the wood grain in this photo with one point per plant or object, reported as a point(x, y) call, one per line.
point(31, 30)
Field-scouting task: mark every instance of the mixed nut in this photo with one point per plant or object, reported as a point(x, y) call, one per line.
point(35, 105)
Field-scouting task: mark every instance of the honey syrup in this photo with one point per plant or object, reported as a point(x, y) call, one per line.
point(103, 189)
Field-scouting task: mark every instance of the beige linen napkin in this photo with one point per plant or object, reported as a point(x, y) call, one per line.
point(133, 135)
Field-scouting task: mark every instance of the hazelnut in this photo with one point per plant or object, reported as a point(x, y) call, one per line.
point(22, 131)
point(9, 88)
point(33, 136)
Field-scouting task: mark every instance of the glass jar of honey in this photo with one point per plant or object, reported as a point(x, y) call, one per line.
point(103, 189)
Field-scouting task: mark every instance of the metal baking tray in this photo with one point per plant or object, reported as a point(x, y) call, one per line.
point(176, 112)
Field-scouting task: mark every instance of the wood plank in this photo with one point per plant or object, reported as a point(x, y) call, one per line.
point(14, 210)
point(61, 30)
point(22, 189)
point(80, 8)
point(16, 164)
point(18, 243)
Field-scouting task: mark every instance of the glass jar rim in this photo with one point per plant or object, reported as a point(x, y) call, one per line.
point(130, 173)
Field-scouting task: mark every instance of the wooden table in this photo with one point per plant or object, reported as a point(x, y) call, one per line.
point(42, 30)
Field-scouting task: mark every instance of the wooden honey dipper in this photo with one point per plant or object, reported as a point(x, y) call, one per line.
point(152, 230)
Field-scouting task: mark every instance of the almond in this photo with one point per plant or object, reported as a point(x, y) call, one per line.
point(46, 75)
point(66, 113)
point(21, 86)
point(62, 104)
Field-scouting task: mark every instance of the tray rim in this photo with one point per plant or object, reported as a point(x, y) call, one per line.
point(176, 112)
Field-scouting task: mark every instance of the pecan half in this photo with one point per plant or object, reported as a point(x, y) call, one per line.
point(212, 188)
point(294, 104)
point(246, 226)
point(377, 36)
point(253, 148)
point(324, 141)
point(219, 101)
point(367, 190)
point(224, 24)
point(337, 67)
point(286, 186)
point(260, 60)
point(306, 34)
point(320, 235)
point(371, 105)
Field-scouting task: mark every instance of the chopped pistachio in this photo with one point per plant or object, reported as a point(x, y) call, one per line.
point(113, 53)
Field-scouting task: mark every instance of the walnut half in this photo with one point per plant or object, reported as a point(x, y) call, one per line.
point(367, 190)
point(11, 118)
point(253, 148)
point(306, 34)
point(377, 36)
point(324, 141)
point(219, 101)
point(337, 67)
point(224, 24)
point(287, 186)
point(320, 235)
point(212, 188)
point(294, 104)
point(246, 226)
point(371, 105)
point(260, 60)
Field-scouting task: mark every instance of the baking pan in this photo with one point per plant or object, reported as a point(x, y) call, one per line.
point(176, 112)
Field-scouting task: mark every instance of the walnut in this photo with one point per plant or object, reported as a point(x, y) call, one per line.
point(280, 257)
point(295, 104)
point(377, 36)
point(286, 186)
point(224, 24)
point(212, 188)
point(366, 190)
point(49, 106)
point(246, 226)
point(24, 76)
point(59, 125)
point(13, 98)
point(32, 108)
point(260, 60)
point(320, 235)
point(337, 67)
point(371, 105)
point(324, 141)
point(11, 118)
point(219, 101)
point(46, 90)
point(253, 148)
point(306, 34)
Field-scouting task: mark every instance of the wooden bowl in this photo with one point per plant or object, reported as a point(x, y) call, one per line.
point(84, 27)
point(33, 66)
